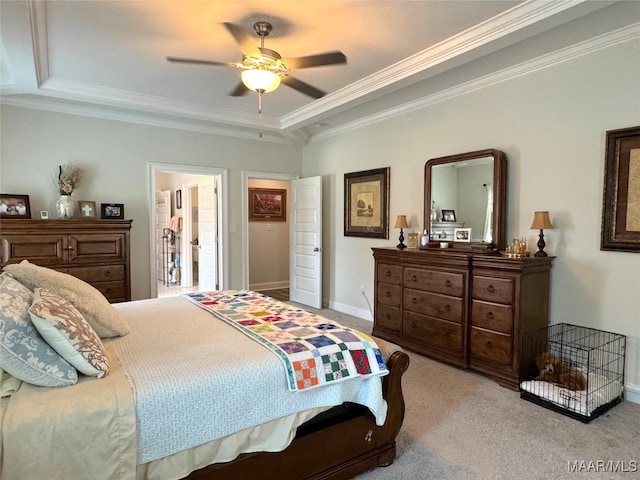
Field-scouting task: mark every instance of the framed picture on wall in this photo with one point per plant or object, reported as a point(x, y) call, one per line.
point(366, 203)
point(267, 205)
point(621, 202)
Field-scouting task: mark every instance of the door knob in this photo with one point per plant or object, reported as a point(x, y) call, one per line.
point(317, 249)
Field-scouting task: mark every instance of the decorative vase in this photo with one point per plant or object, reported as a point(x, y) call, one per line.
point(65, 207)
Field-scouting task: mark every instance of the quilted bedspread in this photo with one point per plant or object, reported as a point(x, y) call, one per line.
point(314, 350)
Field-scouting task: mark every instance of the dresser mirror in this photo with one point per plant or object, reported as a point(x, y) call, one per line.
point(471, 190)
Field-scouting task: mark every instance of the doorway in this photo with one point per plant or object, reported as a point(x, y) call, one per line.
point(201, 194)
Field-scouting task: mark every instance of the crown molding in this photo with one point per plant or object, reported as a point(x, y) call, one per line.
point(616, 37)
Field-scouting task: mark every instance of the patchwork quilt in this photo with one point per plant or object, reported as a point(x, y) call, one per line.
point(314, 350)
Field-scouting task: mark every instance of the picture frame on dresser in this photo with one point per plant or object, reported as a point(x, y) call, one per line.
point(621, 201)
point(14, 206)
point(112, 211)
point(462, 234)
point(366, 203)
point(87, 209)
point(448, 215)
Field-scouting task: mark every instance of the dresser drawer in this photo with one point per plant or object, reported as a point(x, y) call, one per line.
point(113, 291)
point(388, 317)
point(492, 316)
point(433, 331)
point(104, 273)
point(388, 294)
point(388, 273)
point(494, 347)
point(433, 304)
point(492, 289)
point(434, 281)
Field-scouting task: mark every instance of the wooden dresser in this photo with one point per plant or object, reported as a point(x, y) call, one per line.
point(465, 308)
point(96, 251)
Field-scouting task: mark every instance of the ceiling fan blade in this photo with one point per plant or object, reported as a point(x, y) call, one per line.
point(201, 62)
point(329, 58)
point(302, 87)
point(246, 41)
point(239, 91)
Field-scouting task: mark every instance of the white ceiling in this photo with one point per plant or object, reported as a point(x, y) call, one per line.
point(108, 57)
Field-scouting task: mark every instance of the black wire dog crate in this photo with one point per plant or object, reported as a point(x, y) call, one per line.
point(573, 370)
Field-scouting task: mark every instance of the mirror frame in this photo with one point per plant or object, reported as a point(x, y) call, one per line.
point(499, 195)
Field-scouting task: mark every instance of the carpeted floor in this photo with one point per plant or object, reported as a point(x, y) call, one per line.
point(461, 425)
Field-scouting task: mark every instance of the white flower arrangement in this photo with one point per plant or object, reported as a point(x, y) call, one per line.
point(68, 178)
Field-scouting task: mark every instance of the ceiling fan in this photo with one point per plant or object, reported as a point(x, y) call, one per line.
point(263, 69)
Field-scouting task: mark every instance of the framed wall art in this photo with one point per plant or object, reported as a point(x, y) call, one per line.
point(111, 211)
point(621, 202)
point(366, 203)
point(14, 206)
point(267, 205)
point(87, 209)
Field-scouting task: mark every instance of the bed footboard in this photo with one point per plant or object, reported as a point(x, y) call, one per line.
point(338, 448)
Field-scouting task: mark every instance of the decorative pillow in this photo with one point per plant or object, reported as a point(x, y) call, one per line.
point(68, 333)
point(23, 352)
point(103, 318)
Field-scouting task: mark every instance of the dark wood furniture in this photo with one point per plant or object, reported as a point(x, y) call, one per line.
point(466, 308)
point(96, 251)
point(340, 444)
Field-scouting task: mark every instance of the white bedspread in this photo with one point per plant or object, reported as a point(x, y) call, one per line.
point(196, 379)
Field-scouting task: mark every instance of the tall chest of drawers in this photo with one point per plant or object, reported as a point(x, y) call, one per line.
point(463, 308)
point(96, 251)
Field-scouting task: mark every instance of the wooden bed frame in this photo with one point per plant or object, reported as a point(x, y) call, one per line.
point(337, 446)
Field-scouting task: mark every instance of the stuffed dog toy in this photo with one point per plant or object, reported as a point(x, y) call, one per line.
point(555, 371)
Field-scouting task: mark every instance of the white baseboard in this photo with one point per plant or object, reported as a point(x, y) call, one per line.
point(632, 393)
point(256, 287)
point(349, 310)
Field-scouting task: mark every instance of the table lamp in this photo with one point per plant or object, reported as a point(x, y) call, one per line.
point(401, 222)
point(541, 221)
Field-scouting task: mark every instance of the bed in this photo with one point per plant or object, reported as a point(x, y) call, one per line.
point(166, 422)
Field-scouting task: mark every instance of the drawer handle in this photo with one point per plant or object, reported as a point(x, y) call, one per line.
point(107, 273)
point(388, 274)
point(387, 294)
point(448, 283)
point(490, 315)
point(447, 308)
point(491, 289)
point(108, 289)
point(70, 248)
point(414, 278)
point(488, 343)
point(388, 316)
point(414, 300)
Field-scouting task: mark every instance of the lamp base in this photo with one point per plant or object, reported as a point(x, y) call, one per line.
point(541, 245)
point(401, 245)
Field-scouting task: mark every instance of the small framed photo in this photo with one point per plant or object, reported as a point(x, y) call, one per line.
point(462, 234)
point(448, 215)
point(14, 206)
point(86, 209)
point(111, 211)
point(178, 199)
point(412, 242)
point(44, 215)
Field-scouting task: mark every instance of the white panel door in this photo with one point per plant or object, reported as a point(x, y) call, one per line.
point(208, 239)
point(305, 242)
point(163, 219)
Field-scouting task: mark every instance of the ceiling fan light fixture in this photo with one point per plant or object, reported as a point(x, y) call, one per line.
point(259, 80)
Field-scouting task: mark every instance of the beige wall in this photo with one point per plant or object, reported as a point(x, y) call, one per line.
point(551, 124)
point(269, 246)
point(115, 157)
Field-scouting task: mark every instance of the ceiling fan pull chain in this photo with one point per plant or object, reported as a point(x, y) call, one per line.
point(260, 112)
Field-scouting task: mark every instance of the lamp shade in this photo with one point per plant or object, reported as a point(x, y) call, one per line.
point(541, 221)
point(401, 222)
point(259, 80)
